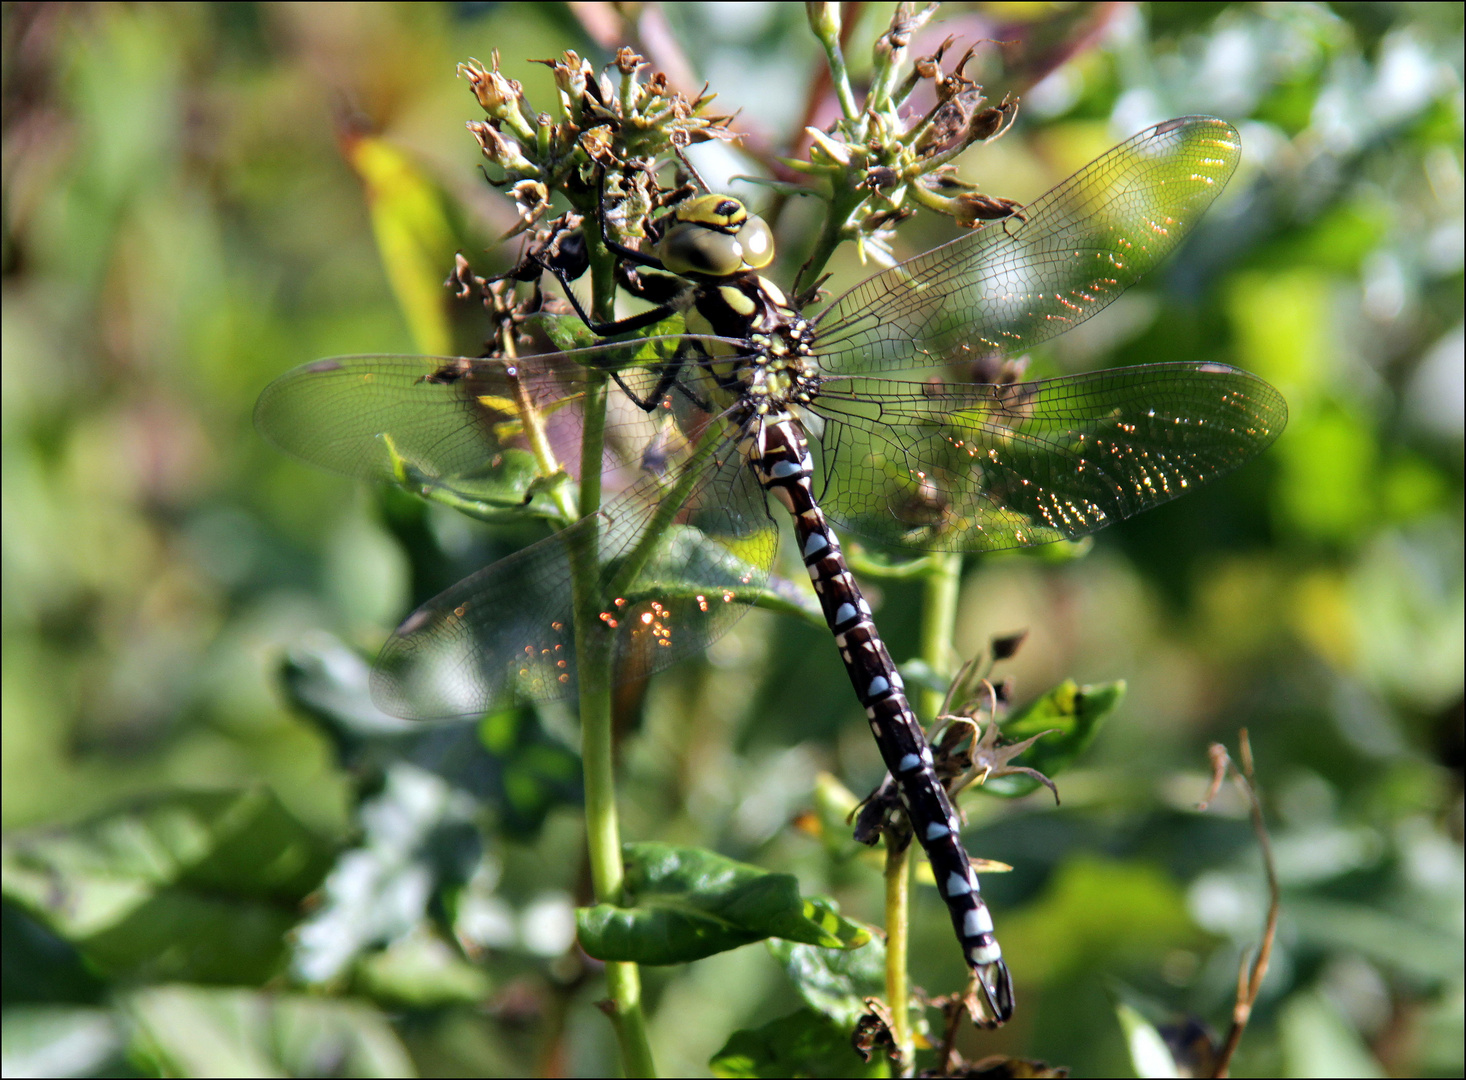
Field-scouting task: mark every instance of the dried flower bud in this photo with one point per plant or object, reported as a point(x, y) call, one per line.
point(1007, 646)
point(494, 92)
point(531, 199)
point(597, 143)
point(971, 207)
point(627, 61)
point(501, 151)
point(882, 178)
point(991, 122)
point(463, 281)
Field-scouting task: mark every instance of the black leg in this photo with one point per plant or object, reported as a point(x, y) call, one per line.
point(609, 329)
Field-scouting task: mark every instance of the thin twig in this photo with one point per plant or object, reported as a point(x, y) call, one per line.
point(1250, 972)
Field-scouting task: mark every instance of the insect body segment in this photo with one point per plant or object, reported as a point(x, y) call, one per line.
point(785, 469)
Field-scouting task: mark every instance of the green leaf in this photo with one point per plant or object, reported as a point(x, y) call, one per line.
point(62, 1040)
point(1149, 1053)
point(682, 904)
point(834, 983)
point(508, 488)
point(1076, 711)
point(1318, 1040)
point(421, 839)
point(420, 971)
point(801, 1044)
point(506, 760)
point(193, 1031)
point(201, 886)
point(413, 235)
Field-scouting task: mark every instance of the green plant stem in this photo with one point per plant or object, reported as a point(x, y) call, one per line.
point(898, 924)
point(938, 620)
point(843, 201)
point(593, 667)
point(938, 617)
point(825, 22)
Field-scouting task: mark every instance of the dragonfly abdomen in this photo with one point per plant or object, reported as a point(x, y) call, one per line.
point(779, 455)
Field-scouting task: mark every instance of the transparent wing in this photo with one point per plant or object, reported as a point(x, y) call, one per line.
point(1013, 283)
point(506, 633)
point(940, 466)
point(458, 425)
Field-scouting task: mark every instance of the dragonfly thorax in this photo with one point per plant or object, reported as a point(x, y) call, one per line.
point(772, 366)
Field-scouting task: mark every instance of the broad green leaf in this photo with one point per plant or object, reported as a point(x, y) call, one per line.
point(413, 235)
point(420, 971)
point(834, 982)
point(421, 839)
point(202, 886)
point(1149, 1053)
point(682, 903)
point(1319, 1040)
point(182, 1030)
point(506, 760)
point(508, 488)
point(398, 419)
point(61, 1040)
point(801, 1044)
point(1076, 711)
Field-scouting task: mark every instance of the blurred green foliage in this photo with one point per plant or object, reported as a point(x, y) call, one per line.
point(200, 878)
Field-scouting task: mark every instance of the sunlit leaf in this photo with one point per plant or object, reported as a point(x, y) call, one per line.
point(198, 886)
point(683, 903)
point(801, 1044)
point(413, 234)
point(1076, 711)
point(834, 982)
point(193, 1031)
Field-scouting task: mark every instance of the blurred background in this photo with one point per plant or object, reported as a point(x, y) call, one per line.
point(214, 864)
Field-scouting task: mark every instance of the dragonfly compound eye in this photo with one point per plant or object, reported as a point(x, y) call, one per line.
point(757, 242)
point(715, 236)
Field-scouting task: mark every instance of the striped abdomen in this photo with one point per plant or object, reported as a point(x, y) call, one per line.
point(779, 454)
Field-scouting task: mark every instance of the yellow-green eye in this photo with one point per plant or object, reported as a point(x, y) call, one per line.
point(715, 236)
point(757, 242)
point(690, 248)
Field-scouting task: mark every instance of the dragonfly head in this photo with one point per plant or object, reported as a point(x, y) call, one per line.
point(714, 236)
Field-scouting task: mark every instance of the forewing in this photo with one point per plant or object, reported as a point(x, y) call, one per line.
point(983, 467)
point(1013, 283)
point(421, 421)
point(458, 425)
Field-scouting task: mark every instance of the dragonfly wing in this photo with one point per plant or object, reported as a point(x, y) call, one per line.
point(942, 466)
point(507, 633)
point(712, 562)
point(1015, 282)
point(502, 635)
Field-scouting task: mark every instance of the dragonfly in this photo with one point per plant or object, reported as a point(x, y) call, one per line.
point(866, 414)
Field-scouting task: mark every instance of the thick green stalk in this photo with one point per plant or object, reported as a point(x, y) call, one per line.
point(898, 934)
point(593, 668)
point(938, 620)
point(824, 20)
point(843, 201)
